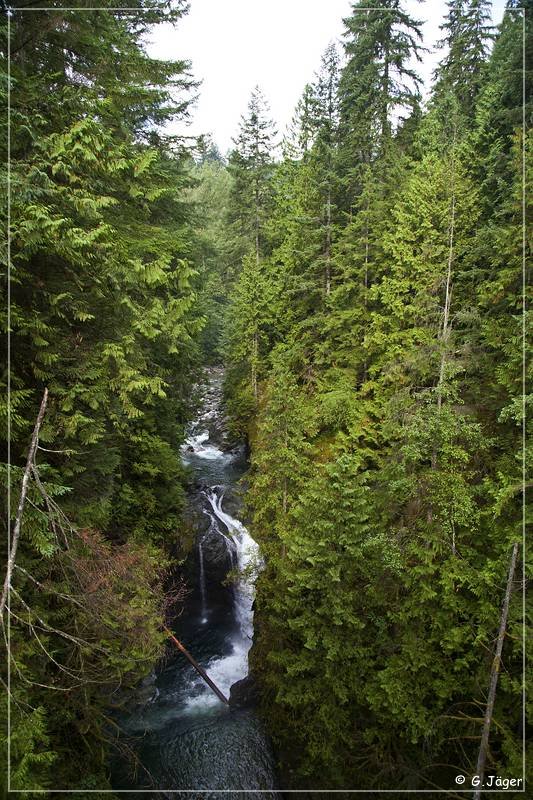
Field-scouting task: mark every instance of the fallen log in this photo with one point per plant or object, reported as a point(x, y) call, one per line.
point(200, 670)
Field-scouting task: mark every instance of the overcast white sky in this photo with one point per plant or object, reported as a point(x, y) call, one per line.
point(277, 44)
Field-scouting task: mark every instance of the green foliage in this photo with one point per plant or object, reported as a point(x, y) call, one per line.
point(210, 196)
point(376, 84)
point(104, 313)
point(250, 166)
point(281, 452)
point(467, 37)
point(385, 429)
point(248, 318)
point(365, 292)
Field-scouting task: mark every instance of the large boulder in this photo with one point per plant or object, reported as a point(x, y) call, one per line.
point(244, 693)
point(218, 552)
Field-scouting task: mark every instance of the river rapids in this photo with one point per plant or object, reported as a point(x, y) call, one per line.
point(182, 736)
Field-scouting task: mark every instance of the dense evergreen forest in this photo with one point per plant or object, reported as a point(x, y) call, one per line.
point(361, 281)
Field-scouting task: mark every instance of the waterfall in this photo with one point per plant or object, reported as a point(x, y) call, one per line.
point(203, 590)
point(187, 738)
point(247, 556)
point(244, 551)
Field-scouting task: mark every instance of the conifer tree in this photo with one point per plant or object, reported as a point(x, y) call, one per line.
point(281, 451)
point(247, 335)
point(467, 37)
point(103, 314)
point(250, 165)
point(377, 84)
point(305, 215)
point(302, 130)
point(324, 151)
point(317, 638)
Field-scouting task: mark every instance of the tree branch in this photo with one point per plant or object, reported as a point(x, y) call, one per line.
point(23, 493)
point(495, 670)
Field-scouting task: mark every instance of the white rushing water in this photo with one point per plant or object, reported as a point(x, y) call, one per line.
point(194, 445)
point(244, 552)
point(228, 669)
point(203, 590)
point(248, 561)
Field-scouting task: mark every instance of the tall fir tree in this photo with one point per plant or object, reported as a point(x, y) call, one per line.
point(250, 165)
point(467, 37)
point(377, 85)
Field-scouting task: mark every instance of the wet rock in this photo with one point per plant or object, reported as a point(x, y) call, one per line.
point(218, 556)
point(149, 680)
point(232, 502)
point(244, 693)
point(146, 690)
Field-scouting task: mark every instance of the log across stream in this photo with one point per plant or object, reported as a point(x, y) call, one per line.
point(184, 736)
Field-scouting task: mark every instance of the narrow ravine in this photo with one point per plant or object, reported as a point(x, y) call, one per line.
point(182, 734)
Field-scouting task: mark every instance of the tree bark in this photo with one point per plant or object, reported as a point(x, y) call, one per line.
point(328, 242)
point(255, 356)
point(24, 491)
point(494, 673)
point(200, 670)
point(444, 335)
point(447, 303)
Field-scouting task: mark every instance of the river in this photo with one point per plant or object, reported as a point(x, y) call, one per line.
point(184, 737)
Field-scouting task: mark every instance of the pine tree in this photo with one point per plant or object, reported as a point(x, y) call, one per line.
point(305, 217)
point(280, 454)
point(103, 313)
point(249, 314)
point(301, 133)
point(317, 644)
point(467, 37)
point(377, 84)
point(324, 150)
point(209, 196)
point(250, 165)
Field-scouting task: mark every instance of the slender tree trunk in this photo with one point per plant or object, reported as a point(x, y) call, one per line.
point(256, 199)
point(365, 288)
point(446, 326)
point(255, 354)
point(25, 483)
point(285, 497)
point(285, 507)
point(328, 242)
point(495, 670)
point(385, 90)
point(200, 670)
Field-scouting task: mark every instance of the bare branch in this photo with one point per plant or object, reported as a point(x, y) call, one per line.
point(20, 510)
point(495, 670)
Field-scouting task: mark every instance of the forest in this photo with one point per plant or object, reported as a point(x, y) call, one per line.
point(362, 281)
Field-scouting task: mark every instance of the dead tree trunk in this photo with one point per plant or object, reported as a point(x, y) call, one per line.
point(24, 491)
point(328, 243)
point(200, 670)
point(495, 670)
point(255, 359)
point(444, 335)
